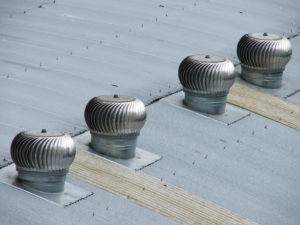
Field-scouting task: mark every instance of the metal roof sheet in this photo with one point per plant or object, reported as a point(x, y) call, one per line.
point(55, 57)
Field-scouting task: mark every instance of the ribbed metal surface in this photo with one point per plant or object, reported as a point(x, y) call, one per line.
point(115, 115)
point(270, 52)
point(42, 151)
point(206, 75)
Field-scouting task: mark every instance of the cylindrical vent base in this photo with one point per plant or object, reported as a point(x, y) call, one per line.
point(262, 78)
point(210, 105)
point(122, 147)
point(50, 182)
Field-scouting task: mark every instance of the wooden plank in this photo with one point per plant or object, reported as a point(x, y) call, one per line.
point(273, 107)
point(151, 192)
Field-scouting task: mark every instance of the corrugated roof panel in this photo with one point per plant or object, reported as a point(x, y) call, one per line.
point(54, 58)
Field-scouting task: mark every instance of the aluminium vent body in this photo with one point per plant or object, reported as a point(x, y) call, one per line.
point(43, 158)
point(115, 122)
point(263, 58)
point(206, 81)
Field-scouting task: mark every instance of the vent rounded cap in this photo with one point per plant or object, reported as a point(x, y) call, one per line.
point(43, 158)
point(206, 81)
point(263, 58)
point(115, 122)
point(115, 115)
point(206, 75)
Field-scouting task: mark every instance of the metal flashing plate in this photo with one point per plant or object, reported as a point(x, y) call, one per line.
point(71, 195)
point(232, 113)
point(287, 89)
point(142, 158)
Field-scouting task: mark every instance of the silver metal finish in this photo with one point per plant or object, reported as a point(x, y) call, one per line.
point(263, 58)
point(206, 81)
point(43, 158)
point(115, 122)
point(141, 159)
point(70, 195)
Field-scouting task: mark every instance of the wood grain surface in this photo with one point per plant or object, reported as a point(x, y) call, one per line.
point(271, 106)
point(151, 192)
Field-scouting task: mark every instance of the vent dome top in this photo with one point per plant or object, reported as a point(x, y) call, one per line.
point(42, 151)
point(115, 115)
point(206, 75)
point(264, 51)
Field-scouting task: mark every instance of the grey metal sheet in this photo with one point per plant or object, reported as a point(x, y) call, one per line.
point(55, 58)
point(250, 167)
point(18, 207)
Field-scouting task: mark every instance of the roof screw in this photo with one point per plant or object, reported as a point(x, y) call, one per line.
point(87, 47)
point(266, 126)
point(253, 132)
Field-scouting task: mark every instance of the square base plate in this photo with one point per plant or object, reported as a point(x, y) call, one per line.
point(142, 158)
point(232, 113)
point(71, 194)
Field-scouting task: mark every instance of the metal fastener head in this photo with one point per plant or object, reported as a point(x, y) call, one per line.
point(115, 122)
point(206, 81)
point(263, 58)
point(43, 158)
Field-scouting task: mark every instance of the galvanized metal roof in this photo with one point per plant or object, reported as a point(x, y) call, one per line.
point(56, 55)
